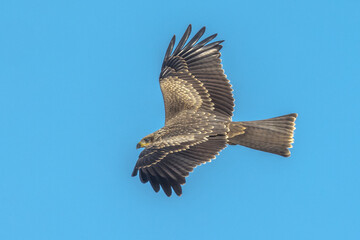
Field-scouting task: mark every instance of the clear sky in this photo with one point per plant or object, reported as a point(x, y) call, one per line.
point(79, 88)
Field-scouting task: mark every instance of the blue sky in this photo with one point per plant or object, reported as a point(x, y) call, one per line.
point(79, 88)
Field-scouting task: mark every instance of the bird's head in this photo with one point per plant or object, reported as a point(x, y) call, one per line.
point(146, 141)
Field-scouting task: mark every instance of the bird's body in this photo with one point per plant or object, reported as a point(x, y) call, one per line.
point(198, 117)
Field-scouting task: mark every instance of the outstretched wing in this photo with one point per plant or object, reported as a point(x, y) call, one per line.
point(192, 77)
point(168, 166)
point(196, 95)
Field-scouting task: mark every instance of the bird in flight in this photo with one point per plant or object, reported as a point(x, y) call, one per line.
point(198, 110)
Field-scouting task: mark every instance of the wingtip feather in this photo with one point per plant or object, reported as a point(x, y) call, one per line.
point(134, 173)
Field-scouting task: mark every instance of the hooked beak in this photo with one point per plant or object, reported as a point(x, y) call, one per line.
point(138, 146)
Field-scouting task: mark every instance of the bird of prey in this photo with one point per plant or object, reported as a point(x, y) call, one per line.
point(198, 110)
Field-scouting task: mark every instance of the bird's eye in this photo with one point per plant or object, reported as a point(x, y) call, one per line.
point(146, 140)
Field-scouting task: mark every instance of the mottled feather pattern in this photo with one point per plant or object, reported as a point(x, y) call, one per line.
point(198, 106)
point(200, 61)
point(198, 117)
point(171, 171)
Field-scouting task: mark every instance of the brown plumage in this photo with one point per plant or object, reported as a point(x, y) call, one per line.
point(198, 109)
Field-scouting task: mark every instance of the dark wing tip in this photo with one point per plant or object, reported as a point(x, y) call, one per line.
point(182, 40)
point(143, 177)
point(187, 47)
point(189, 28)
point(206, 40)
point(135, 171)
point(169, 49)
point(177, 189)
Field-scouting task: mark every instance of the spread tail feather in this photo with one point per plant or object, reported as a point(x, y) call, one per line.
point(273, 135)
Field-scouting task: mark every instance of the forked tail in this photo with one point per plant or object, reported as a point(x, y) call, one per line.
point(273, 135)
